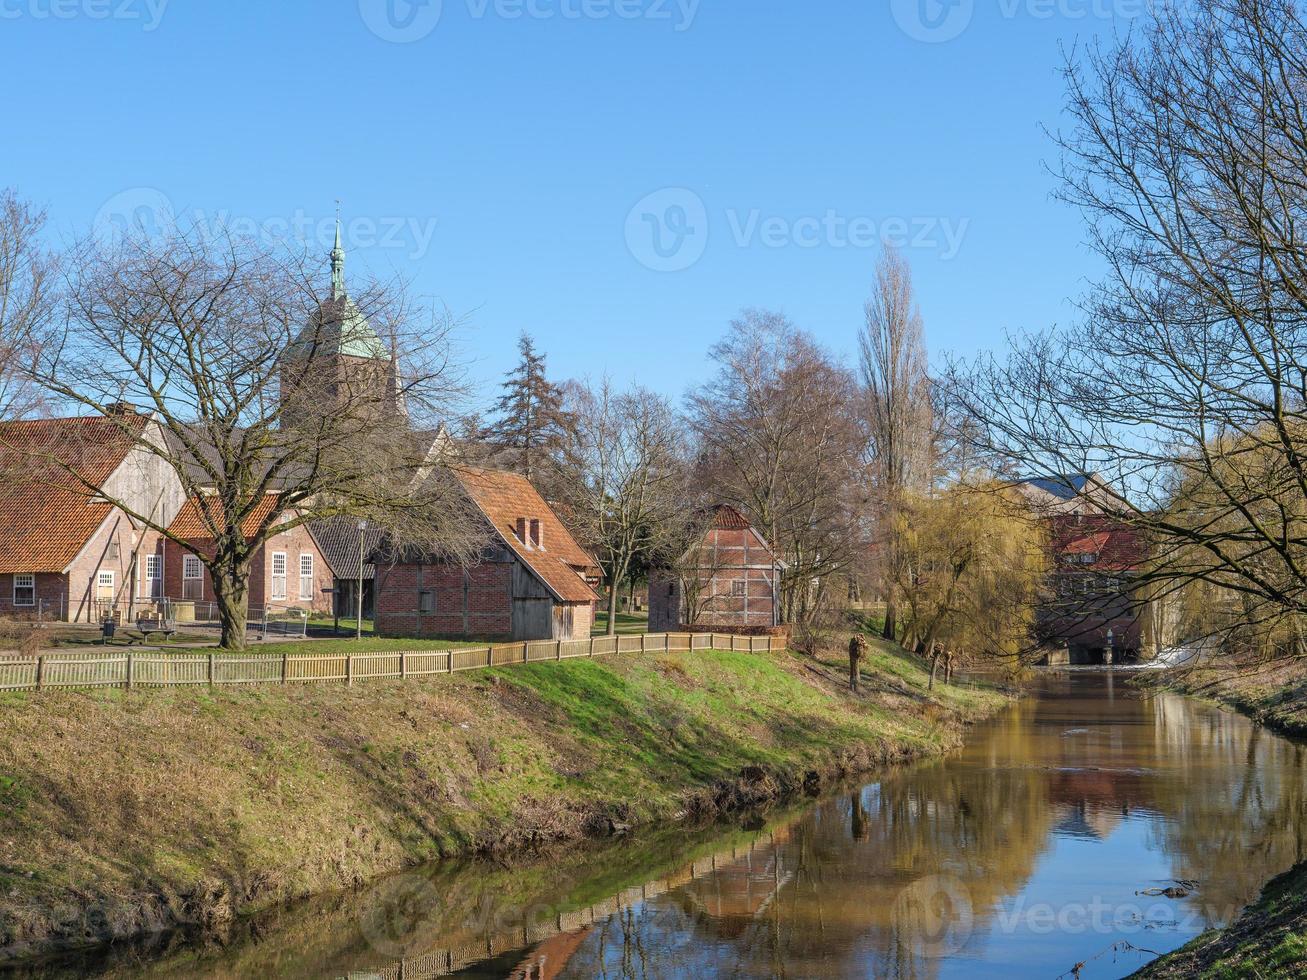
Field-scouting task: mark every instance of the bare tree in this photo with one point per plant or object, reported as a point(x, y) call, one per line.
point(777, 441)
point(626, 477)
point(278, 403)
point(27, 298)
point(1185, 384)
point(896, 400)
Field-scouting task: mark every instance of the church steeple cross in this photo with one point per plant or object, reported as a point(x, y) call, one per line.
point(337, 262)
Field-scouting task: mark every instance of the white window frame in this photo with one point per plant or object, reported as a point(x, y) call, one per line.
point(105, 577)
point(31, 584)
point(306, 578)
point(278, 589)
point(192, 567)
point(146, 583)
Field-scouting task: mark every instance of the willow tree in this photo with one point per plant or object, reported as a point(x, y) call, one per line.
point(973, 566)
point(278, 402)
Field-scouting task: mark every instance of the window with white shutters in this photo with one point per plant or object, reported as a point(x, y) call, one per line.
point(306, 577)
point(279, 575)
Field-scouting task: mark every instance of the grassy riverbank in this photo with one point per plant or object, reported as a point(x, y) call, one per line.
point(122, 813)
point(1275, 696)
point(1268, 940)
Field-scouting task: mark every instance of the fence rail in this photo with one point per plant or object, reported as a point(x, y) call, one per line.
point(161, 669)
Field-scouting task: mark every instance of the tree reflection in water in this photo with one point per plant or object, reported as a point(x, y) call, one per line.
point(935, 870)
point(1022, 855)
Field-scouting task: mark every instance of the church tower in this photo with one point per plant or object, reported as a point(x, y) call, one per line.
point(338, 363)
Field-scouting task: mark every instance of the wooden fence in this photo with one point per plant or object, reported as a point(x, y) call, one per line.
point(162, 669)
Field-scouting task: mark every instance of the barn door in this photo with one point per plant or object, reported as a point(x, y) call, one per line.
point(563, 625)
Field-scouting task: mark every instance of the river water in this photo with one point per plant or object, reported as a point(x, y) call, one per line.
point(1045, 843)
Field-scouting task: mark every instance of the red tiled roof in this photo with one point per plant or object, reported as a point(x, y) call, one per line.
point(1117, 547)
point(727, 518)
point(503, 497)
point(47, 514)
point(189, 522)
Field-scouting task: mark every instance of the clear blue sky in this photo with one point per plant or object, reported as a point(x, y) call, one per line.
point(519, 135)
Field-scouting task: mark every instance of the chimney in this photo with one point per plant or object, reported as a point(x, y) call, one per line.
point(120, 408)
point(537, 533)
point(522, 533)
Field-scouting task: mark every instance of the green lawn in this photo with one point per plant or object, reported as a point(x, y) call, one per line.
point(626, 622)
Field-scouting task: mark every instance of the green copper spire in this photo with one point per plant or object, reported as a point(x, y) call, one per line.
point(337, 266)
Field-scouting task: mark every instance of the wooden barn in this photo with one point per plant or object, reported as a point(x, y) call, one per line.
point(532, 582)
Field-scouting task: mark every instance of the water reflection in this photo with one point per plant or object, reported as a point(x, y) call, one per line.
point(1030, 851)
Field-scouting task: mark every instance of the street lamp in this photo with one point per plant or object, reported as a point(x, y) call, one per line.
point(358, 623)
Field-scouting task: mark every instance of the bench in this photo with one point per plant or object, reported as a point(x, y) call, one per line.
point(156, 624)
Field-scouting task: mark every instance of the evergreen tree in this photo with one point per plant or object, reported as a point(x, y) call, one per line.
point(530, 421)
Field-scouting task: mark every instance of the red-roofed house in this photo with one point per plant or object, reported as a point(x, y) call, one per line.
point(65, 552)
point(730, 579)
point(533, 582)
point(1094, 613)
point(288, 569)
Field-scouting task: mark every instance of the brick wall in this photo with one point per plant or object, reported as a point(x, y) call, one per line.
point(732, 559)
point(466, 602)
point(51, 588)
point(119, 548)
point(295, 542)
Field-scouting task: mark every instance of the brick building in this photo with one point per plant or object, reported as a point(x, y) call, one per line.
point(1093, 613)
point(288, 570)
point(65, 551)
point(533, 581)
point(731, 579)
